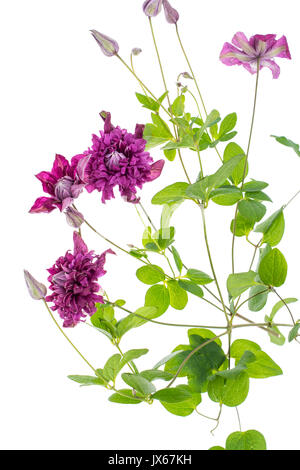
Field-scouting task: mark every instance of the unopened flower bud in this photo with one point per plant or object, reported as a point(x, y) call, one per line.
point(37, 290)
point(74, 218)
point(109, 46)
point(172, 15)
point(186, 75)
point(136, 51)
point(152, 7)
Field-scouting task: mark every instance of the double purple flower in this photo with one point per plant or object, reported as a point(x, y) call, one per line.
point(118, 158)
point(62, 183)
point(73, 280)
point(259, 49)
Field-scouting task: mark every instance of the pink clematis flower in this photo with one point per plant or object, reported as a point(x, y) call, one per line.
point(258, 49)
point(62, 183)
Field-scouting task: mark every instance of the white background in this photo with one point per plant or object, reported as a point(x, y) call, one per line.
point(54, 82)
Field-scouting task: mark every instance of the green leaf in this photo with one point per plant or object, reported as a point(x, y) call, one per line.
point(288, 143)
point(167, 213)
point(200, 364)
point(186, 407)
point(280, 339)
point(231, 391)
point(150, 274)
point(148, 102)
point(139, 383)
point(251, 210)
point(230, 152)
point(273, 268)
point(158, 296)
point(191, 287)
point(87, 380)
point(239, 283)
point(228, 123)
point(177, 259)
point(199, 277)
point(178, 106)
point(226, 195)
point(178, 296)
point(262, 367)
point(153, 374)
point(174, 192)
point(259, 196)
point(242, 226)
point(294, 332)
point(129, 399)
point(170, 154)
point(258, 296)
point(279, 305)
point(157, 133)
point(131, 355)
point(133, 320)
point(241, 365)
point(103, 320)
point(185, 142)
point(254, 186)
point(272, 228)
point(164, 237)
point(172, 395)
point(205, 334)
point(217, 448)
point(249, 440)
point(112, 367)
point(148, 242)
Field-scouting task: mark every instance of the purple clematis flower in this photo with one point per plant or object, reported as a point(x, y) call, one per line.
point(153, 8)
point(62, 183)
point(118, 158)
point(259, 49)
point(73, 280)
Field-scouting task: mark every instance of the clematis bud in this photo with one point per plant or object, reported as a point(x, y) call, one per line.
point(152, 7)
point(172, 15)
point(37, 290)
point(186, 75)
point(136, 51)
point(74, 218)
point(109, 46)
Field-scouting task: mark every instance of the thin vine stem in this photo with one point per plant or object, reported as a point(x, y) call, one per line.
point(246, 163)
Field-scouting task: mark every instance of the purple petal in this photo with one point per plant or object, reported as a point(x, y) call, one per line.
point(79, 245)
point(65, 203)
point(172, 15)
point(268, 39)
point(280, 49)
point(240, 40)
point(48, 181)
point(81, 167)
point(271, 64)
point(43, 204)
point(108, 127)
point(60, 167)
point(109, 46)
point(230, 55)
point(156, 169)
point(76, 190)
point(152, 7)
point(139, 131)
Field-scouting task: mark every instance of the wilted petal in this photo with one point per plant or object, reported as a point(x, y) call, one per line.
point(43, 204)
point(79, 245)
point(152, 7)
point(48, 181)
point(172, 15)
point(74, 218)
point(108, 45)
point(271, 64)
point(76, 190)
point(65, 203)
point(156, 169)
point(36, 289)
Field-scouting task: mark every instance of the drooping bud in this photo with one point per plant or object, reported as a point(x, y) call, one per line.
point(136, 51)
point(74, 218)
point(37, 290)
point(186, 75)
point(109, 46)
point(152, 7)
point(172, 15)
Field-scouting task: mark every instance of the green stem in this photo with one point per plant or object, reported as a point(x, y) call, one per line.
point(190, 67)
point(68, 339)
point(211, 262)
point(246, 162)
point(168, 98)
